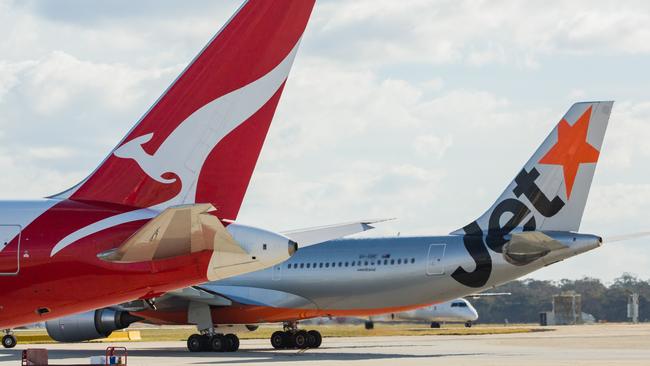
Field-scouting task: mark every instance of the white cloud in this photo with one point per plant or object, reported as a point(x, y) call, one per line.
point(629, 132)
point(417, 109)
point(430, 145)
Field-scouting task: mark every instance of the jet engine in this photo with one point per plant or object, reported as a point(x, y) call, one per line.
point(90, 325)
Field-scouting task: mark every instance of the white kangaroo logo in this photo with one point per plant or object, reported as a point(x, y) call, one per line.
point(184, 151)
point(186, 148)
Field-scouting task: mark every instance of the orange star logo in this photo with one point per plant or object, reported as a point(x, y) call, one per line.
point(572, 149)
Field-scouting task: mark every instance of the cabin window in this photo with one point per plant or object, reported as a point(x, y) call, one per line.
point(399, 261)
point(412, 260)
point(392, 261)
point(308, 265)
point(327, 265)
point(302, 265)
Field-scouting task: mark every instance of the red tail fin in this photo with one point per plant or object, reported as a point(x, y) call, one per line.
point(200, 142)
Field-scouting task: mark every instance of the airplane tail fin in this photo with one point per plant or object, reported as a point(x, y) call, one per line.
point(200, 141)
point(550, 192)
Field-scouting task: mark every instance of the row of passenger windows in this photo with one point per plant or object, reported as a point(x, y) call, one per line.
point(385, 262)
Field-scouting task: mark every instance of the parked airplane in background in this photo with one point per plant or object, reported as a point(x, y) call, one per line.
point(157, 214)
point(457, 310)
point(531, 225)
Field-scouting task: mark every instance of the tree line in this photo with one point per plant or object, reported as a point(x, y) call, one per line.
point(530, 297)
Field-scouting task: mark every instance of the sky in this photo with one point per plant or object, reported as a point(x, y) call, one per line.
point(387, 106)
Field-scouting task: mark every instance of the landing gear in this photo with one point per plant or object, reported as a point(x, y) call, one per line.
point(9, 340)
point(196, 343)
point(468, 324)
point(293, 338)
point(435, 325)
point(317, 338)
point(208, 340)
point(214, 343)
point(232, 342)
point(370, 325)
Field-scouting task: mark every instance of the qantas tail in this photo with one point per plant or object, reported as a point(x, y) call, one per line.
point(200, 141)
point(550, 192)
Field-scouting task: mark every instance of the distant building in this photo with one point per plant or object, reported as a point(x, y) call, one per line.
point(567, 308)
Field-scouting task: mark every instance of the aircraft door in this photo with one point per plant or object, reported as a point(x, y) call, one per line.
point(435, 259)
point(9, 249)
point(277, 272)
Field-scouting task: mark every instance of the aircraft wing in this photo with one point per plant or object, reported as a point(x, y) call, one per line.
point(488, 294)
point(178, 230)
point(221, 296)
point(315, 235)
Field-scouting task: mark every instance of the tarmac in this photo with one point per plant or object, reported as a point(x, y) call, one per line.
point(602, 344)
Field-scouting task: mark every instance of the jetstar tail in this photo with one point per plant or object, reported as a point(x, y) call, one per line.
point(200, 141)
point(550, 192)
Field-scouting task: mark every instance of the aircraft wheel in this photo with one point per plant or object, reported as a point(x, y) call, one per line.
point(277, 340)
point(318, 339)
point(369, 325)
point(435, 325)
point(218, 343)
point(301, 339)
point(288, 341)
point(233, 342)
point(9, 341)
point(468, 325)
point(195, 343)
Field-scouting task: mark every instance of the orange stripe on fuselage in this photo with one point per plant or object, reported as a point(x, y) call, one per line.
point(253, 314)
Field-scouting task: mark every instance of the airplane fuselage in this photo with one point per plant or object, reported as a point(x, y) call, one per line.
point(361, 277)
point(37, 285)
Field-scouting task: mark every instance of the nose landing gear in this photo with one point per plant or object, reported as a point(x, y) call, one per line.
point(293, 338)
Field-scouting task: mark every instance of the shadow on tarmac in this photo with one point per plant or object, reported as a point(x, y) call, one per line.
point(243, 356)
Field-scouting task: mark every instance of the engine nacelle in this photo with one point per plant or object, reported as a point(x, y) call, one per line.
point(267, 247)
point(90, 325)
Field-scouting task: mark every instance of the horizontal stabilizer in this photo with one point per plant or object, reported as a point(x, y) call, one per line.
point(525, 247)
point(178, 230)
point(320, 234)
